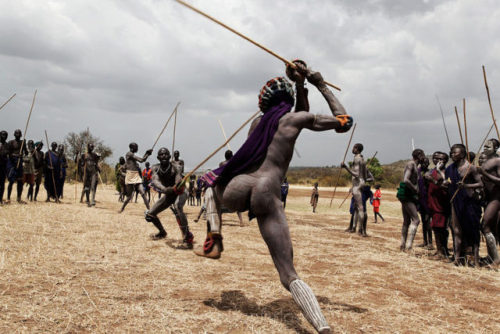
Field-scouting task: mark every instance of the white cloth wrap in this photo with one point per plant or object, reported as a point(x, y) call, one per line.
point(211, 213)
point(132, 177)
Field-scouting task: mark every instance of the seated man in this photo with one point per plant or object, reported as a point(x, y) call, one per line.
point(251, 180)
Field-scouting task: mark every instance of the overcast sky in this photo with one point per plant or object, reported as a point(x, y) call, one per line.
point(119, 67)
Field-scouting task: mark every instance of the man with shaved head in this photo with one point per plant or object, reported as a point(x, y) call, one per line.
point(165, 176)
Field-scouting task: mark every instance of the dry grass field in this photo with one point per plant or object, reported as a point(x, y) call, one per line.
point(67, 268)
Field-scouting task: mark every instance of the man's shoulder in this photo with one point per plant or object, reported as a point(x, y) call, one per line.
point(411, 164)
point(492, 162)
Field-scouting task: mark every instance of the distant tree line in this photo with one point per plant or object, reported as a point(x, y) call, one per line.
point(387, 176)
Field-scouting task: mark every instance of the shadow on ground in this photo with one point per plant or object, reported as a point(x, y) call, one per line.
point(284, 310)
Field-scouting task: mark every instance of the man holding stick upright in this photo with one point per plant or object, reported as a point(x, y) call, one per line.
point(89, 166)
point(465, 209)
point(359, 176)
point(251, 180)
point(17, 150)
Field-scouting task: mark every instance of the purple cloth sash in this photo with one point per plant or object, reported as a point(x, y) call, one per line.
point(253, 151)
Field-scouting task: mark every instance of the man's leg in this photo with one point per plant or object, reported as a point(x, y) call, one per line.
point(274, 229)
point(87, 184)
point(20, 185)
point(358, 204)
point(178, 209)
point(406, 224)
point(38, 182)
point(3, 176)
point(9, 189)
point(457, 237)
point(415, 221)
point(240, 217)
point(200, 213)
point(365, 222)
point(351, 224)
point(490, 223)
point(93, 189)
point(152, 215)
point(212, 246)
point(139, 188)
point(129, 192)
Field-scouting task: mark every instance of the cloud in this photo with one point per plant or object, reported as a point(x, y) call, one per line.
point(119, 67)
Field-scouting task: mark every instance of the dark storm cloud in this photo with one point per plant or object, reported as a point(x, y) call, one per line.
point(120, 67)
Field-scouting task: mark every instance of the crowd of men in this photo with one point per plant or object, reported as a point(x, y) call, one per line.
point(460, 197)
point(23, 163)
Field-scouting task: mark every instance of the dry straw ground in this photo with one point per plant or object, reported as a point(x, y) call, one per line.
point(67, 268)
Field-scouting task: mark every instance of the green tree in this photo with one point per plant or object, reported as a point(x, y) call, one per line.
point(375, 168)
point(77, 143)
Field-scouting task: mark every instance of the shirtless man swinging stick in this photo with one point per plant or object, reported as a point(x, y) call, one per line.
point(133, 180)
point(251, 180)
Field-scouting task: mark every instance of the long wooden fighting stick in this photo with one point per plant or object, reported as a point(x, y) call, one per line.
point(3, 105)
point(25, 130)
point(468, 156)
point(175, 126)
point(459, 127)
point(289, 63)
point(343, 161)
point(52, 168)
point(165, 126)
point(224, 134)
point(188, 175)
point(444, 123)
point(367, 165)
point(489, 101)
point(477, 155)
point(484, 140)
point(466, 137)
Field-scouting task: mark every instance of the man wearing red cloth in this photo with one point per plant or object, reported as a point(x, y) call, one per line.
point(439, 203)
point(377, 196)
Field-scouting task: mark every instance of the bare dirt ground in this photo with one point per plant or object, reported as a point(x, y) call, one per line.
point(68, 268)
